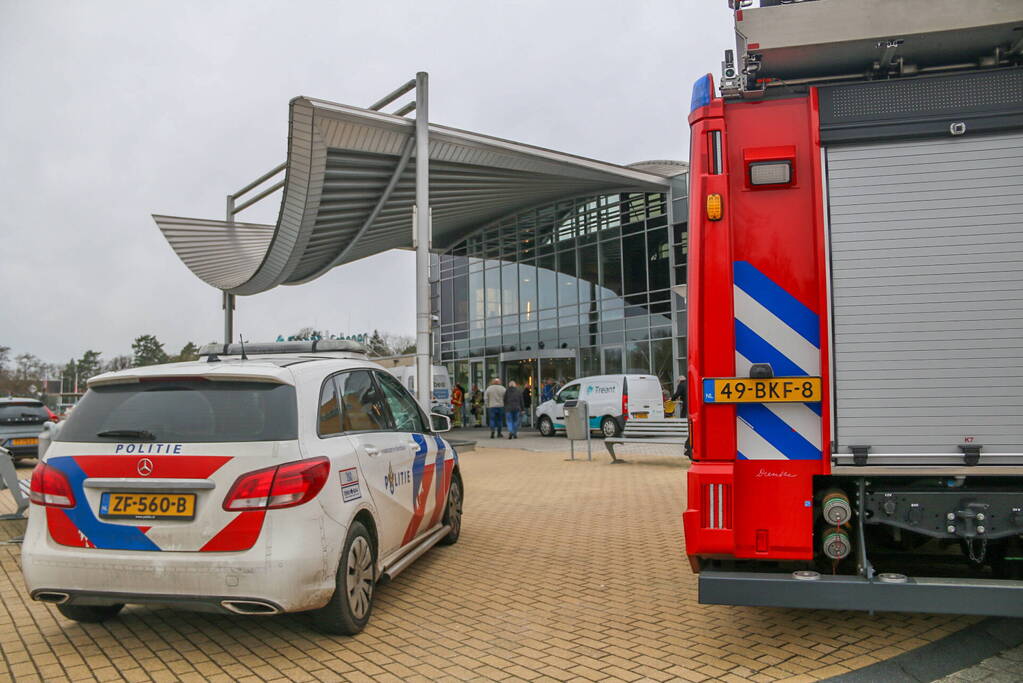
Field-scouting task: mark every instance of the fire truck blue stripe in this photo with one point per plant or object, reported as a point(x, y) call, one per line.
point(815, 407)
point(775, 299)
point(753, 347)
point(775, 431)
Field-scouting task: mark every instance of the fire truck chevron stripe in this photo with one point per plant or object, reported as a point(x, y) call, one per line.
point(778, 301)
point(772, 326)
point(779, 434)
point(755, 348)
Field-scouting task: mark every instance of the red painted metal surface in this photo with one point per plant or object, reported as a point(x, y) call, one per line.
point(780, 232)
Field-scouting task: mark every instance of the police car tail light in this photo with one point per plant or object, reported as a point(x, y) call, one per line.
point(278, 487)
point(50, 487)
point(251, 491)
point(298, 482)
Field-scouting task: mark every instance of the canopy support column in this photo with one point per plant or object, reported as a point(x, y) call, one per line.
point(228, 302)
point(424, 383)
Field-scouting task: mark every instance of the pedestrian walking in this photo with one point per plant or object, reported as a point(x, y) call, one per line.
point(493, 400)
point(527, 405)
point(680, 397)
point(457, 398)
point(476, 406)
point(547, 393)
point(512, 409)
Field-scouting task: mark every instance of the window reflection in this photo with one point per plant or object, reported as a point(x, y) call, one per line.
point(591, 274)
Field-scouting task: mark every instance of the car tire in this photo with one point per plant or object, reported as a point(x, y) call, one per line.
point(90, 614)
point(349, 609)
point(609, 427)
point(453, 512)
point(545, 426)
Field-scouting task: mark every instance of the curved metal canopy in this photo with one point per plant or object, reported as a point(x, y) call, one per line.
point(349, 189)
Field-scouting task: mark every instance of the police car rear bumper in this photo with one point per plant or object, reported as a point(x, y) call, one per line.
point(292, 574)
point(987, 597)
point(225, 604)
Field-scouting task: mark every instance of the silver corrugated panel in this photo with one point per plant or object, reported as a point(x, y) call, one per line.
point(927, 249)
point(340, 160)
point(221, 254)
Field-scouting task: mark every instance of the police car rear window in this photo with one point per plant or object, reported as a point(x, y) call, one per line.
point(184, 411)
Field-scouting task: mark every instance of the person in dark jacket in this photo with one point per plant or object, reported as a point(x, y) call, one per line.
point(680, 397)
point(513, 409)
point(527, 404)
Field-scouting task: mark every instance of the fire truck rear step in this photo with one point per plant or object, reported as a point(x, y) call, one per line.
point(985, 597)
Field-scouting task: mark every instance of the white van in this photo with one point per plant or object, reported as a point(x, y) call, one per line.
point(406, 374)
point(612, 399)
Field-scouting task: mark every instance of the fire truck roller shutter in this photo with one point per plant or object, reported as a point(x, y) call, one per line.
point(927, 287)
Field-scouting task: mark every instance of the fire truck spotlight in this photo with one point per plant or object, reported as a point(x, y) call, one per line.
point(770, 173)
point(837, 545)
point(835, 507)
point(714, 207)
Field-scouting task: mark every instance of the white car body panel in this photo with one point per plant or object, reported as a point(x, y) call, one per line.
point(289, 559)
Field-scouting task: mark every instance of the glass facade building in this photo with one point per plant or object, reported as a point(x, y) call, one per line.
point(578, 287)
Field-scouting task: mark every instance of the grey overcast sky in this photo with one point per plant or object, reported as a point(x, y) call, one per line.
point(113, 110)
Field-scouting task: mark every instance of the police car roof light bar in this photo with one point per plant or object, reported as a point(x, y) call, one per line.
point(264, 348)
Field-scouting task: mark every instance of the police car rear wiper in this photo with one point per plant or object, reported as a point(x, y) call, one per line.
point(143, 434)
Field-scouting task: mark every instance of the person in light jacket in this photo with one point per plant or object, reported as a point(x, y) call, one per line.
point(493, 400)
point(513, 409)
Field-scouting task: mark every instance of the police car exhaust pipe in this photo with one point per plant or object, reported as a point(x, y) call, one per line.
point(52, 597)
point(248, 607)
point(400, 566)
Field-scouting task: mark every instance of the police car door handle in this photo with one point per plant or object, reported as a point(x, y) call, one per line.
point(372, 451)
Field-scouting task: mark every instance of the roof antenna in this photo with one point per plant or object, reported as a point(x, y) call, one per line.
point(242, 342)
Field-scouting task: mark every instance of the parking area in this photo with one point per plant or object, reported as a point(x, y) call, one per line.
point(564, 571)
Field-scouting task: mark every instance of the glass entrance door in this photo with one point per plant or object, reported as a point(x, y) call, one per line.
point(561, 370)
point(523, 373)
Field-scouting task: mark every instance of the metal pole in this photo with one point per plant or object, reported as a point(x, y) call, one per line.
point(228, 300)
point(424, 385)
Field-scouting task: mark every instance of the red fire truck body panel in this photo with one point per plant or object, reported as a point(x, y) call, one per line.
point(853, 345)
point(762, 299)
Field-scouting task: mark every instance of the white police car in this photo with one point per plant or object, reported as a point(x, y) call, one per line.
point(290, 480)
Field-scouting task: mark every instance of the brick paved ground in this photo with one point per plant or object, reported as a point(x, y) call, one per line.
point(564, 571)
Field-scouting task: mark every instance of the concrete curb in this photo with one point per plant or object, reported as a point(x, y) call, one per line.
point(942, 657)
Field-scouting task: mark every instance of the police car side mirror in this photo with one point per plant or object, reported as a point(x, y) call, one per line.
point(440, 423)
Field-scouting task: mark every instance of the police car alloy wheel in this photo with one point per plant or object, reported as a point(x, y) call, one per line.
point(359, 577)
point(609, 426)
point(453, 512)
point(348, 611)
point(545, 426)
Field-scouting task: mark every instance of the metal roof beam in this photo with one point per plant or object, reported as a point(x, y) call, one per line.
point(392, 96)
point(384, 196)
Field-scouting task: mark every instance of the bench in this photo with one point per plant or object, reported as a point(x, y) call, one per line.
point(671, 431)
point(18, 488)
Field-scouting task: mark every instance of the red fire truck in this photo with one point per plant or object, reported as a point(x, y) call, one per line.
point(855, 357)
